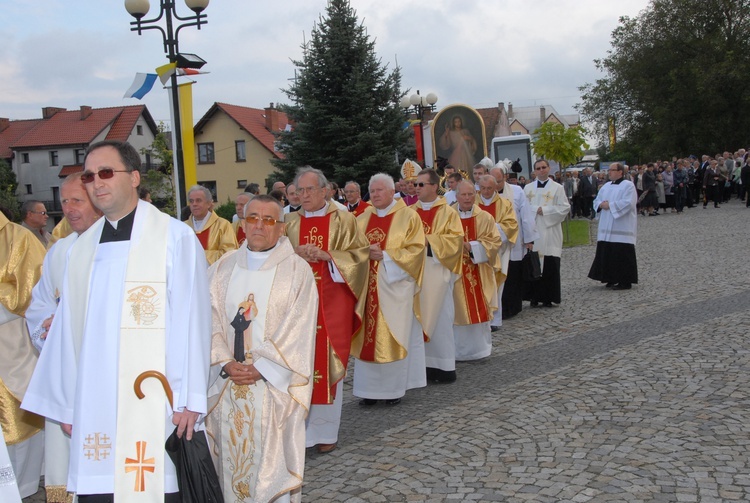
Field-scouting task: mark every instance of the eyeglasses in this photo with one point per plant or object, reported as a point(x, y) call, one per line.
point(267, 221)
point(307, 190)
point(38, 212)
point(104, 174)
point(422, 184)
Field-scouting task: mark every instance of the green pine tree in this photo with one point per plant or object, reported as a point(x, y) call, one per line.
point(345, 111)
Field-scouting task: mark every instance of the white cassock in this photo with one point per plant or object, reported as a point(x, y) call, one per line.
point(555, 208)
point(8, 484)
point(80, 389)
point(386, 381)
point(45, 297)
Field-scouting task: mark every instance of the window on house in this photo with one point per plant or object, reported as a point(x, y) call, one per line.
point(80, 153)
point(25, 158)
point(28, 188)
point(241, 184)
point(239, 150)
point(53, 158)
point(211, 186)
point(139, 130)
point(206, 153)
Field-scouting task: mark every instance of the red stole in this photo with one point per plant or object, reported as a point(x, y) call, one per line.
point(377, 233)
point(361, 207)
point(240, 233)
point(472, 281)
point(203, 237)
point(490, 208)
point(427, 216)
point(337, 321)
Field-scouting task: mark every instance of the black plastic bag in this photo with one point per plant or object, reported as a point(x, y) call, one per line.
point(196, 475)
point(532, 268)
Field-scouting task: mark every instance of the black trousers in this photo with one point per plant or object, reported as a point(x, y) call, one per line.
point(712, 194)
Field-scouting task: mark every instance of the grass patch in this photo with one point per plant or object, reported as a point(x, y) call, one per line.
point(575, 233)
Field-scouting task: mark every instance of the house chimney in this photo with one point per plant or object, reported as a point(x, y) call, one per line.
point(500, 106)
point(48, 112)
point(4, 124)
point(272, 118)
point(85, 111)
point(510, 110)
point(542, 114)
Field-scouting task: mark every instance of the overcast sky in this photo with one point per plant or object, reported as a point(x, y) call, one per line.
point(69, 53)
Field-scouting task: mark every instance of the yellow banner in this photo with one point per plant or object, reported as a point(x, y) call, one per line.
point(188, 140)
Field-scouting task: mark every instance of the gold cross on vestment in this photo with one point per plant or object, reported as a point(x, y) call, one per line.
point(530, 196)
point(548, 197)
point(97, 446)
point(140, 465)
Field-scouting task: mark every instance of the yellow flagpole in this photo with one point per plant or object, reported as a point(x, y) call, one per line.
point(188, 139)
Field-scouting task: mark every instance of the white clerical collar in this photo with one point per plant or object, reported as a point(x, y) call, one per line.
point(114, 223)
point(319, 213)
point(256, 259)
point(465, 214)
point(198, 224)
point(428, 206)
point(486, 201)
point(384, 211)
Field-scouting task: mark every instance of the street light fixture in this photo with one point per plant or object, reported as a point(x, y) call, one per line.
point(417, 104)
point(168, 10)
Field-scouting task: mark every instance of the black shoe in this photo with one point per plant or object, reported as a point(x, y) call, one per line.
point(609, 285)
point(623, 286)
point(495, 328)
point(534, 303)
point(368, 402)
point(547, 304)
point(393, 401)
point(441, 376)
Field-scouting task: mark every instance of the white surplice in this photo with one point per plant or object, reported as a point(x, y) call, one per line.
point(555, 208)
point(618, 224)
point(79, 388)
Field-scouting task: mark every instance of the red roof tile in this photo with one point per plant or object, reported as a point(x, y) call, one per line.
point(67, 127)
point(70, 169)
point(252, 120)
point(11, 134)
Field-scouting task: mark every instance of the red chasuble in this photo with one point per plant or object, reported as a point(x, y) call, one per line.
point(240, 234)
point(472, 281)
point(361, 207)
point(377, 233)
point(427, 216)
point(337, 321)
point(203, 237)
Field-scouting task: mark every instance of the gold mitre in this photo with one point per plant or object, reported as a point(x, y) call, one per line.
point(410, 170)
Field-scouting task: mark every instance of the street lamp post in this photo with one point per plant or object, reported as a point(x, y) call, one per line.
point(418, 105)
point(138, 9)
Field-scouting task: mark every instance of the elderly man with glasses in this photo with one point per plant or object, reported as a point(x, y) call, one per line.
point(34, 217)
point(265, 306)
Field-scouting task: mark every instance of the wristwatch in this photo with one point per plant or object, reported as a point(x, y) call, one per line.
point(223, 373)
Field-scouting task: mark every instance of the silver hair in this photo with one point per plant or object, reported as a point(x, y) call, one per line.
point(487, 177)
point(352, 182)
point(265, 198)
point(467, 182)
point(322, 180)
point(206, 192)
point(382, 177)
point(500, 169)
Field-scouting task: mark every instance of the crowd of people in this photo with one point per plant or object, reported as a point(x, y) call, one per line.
point(250, 325)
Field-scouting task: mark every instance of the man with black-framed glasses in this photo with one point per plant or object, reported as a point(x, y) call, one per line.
point(135, 299)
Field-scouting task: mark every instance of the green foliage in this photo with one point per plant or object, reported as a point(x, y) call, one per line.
point(344, 104)
point(675, 80)
point(556, 142)
point(159, 181)
point(576, 233)
point(226, 210)
point(8, 186)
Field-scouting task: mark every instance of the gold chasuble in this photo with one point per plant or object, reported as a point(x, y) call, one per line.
point(21, 257)
point(217, 237)
point(442, 228)
point(475, 295)
point(501, 209)
point(400, 234)
point(340, 305)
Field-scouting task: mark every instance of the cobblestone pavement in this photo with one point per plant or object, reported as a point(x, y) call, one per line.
point(639, 395)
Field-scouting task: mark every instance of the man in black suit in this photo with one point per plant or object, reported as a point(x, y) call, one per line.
point(587, 192)
point(745, 179)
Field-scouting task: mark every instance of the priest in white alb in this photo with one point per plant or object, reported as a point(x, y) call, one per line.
point(136, 301)
point(550, 205)
point(265, 306)
point(615, 206)
point(476, 295)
